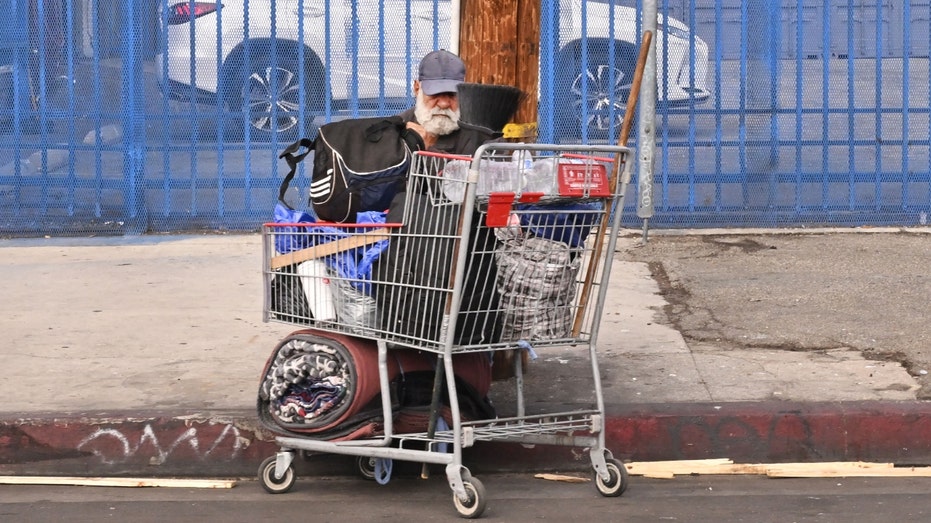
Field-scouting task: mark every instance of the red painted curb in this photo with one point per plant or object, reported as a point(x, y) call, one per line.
point(898, 432)
point(753, 432)
point(232, 444)
point(134, 444)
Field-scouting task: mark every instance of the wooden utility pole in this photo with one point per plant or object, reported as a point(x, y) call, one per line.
point(499, 41)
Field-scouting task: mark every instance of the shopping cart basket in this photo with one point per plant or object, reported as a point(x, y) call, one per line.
point(507, 249)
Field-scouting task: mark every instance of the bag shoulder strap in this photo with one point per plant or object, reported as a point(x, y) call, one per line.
point(374, 132)
point(413, 139)
point(293, 157)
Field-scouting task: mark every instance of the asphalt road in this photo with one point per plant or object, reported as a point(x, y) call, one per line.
point(512, 498)
point(798, 291)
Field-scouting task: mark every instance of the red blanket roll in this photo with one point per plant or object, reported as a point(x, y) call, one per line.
point(326, 384)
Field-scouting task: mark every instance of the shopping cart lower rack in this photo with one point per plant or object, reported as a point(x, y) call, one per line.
point(401, 318)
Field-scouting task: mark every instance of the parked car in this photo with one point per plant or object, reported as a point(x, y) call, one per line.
point(593, 95)
point(256, 69)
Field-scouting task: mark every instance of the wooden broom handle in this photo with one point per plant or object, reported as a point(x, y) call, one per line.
point(634, 91)
point(621, 142)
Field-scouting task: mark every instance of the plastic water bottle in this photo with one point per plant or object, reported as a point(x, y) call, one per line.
point(522, 164)
point(541, 177)
point(523, 160)
point(454, 180)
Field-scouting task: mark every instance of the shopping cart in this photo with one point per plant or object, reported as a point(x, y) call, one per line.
point(506, 250)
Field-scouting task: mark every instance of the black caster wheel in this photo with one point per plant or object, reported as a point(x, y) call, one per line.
point(475, 505)
point(375, 469)
point(270, 483)
point(365, 466)
point(616, 484)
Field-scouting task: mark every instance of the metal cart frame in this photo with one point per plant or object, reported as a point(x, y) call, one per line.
point(576, 428)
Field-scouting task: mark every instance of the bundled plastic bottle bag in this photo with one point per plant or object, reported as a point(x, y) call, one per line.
point(536, 282)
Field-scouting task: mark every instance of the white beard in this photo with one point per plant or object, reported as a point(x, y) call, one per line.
point(435, 121)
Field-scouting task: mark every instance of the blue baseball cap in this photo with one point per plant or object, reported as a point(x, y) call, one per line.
point(441, 72)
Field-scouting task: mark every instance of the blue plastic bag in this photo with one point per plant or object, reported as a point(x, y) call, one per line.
point(354, 265)
point(287, 239)
point(568, 223)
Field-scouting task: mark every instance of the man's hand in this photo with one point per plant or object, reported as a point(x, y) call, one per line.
point(429, 139)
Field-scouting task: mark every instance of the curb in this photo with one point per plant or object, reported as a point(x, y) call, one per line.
point(232, 444)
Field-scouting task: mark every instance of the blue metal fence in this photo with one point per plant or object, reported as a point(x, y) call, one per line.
point(130, 116)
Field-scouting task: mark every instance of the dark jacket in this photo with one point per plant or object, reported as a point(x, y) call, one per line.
point(420, 260)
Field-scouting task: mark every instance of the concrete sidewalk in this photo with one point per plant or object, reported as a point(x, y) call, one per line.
point(142, 356)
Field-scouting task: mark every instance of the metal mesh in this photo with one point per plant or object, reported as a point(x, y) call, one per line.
point(133, 116)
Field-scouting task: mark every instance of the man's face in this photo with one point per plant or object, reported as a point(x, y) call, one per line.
point(439, 113)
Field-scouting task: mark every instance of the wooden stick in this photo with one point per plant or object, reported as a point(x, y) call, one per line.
point(838, 469)
point(844, 470)
point(116, 482)
point(622, 142)
point(333, 247)
point(562, 477)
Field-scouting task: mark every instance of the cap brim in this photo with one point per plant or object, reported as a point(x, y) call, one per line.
point(434, 87)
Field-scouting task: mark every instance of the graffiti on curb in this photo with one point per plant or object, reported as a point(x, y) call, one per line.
point(115, 446)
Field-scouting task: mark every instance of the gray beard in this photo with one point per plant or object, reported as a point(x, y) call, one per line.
point(431, 120)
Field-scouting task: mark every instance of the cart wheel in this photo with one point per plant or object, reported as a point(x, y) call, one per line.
point(616, 484)
point(475, 505)
point(270, 483)
point(365, 465)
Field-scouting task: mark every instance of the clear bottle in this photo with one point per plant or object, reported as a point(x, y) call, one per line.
point(541, 177)
point(523, 159)
point(499, 175)
point(455, 174)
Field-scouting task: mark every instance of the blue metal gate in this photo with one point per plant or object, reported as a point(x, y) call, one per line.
point(818, 114)
point(167, 115)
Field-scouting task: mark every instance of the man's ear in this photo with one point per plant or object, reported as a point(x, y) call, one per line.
point(416, 88)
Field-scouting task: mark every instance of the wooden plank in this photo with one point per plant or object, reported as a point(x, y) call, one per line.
point(896, 472)
point(681, 467)
point(333, 247)
point(756, 469)
point(828, 466)
point(562, 477)
point(845, 470)
point(668, 469)
point(659, 475)
point(117, 482)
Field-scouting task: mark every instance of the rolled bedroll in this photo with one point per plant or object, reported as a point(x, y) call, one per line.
point(325, 385)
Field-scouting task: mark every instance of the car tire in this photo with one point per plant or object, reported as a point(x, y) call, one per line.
point(266, 82)
point(590, 109)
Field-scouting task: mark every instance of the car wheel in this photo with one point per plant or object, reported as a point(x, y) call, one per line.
point(267, 93)
point(595, 98)
point(599, 99)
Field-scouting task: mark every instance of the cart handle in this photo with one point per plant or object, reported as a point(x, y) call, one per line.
point(444, 155)
point(574, 156)
point(342, 225)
